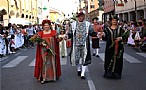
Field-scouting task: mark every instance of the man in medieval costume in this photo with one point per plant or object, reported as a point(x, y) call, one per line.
point(80, 54)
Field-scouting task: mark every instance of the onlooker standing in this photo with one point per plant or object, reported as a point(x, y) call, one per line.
point(130, 40)
point(2, 42)
point(30, 31)
point(143, 32)
point(10, 29)
point(143, 38)
point(12, 44)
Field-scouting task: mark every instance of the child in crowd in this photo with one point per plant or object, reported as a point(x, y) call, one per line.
point(62, 44)
point(12, 44)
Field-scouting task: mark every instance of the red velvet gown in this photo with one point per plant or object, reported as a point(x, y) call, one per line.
point(47, 66)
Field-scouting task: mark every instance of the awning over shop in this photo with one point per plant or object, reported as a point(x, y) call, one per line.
point(21, 21)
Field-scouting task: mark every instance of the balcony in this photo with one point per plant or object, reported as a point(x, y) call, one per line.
point(120, 4)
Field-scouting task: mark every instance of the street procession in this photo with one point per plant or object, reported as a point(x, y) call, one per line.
point(72, 45)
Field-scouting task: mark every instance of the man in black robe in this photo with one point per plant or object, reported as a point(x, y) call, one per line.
point(114, 36)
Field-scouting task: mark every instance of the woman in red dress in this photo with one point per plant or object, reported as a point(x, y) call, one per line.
point(47, 66)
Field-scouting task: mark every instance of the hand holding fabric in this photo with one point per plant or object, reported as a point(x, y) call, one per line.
point(119, 38)
point(44, 44)
point(101, 34)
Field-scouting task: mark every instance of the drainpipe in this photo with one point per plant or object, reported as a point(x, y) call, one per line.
point(135, 11)
point(114, 7)
point(144, 9)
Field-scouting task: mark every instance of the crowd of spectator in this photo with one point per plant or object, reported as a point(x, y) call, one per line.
point(15, 37)
point(137, 36)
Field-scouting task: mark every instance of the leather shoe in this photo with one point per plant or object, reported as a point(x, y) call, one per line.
point(93, 54)
point(97, 55)
point(83, 77)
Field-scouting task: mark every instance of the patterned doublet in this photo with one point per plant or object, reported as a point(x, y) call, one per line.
point(80, 34)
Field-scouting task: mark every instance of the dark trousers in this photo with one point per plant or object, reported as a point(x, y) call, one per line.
point(29, 42)
point(26, 40)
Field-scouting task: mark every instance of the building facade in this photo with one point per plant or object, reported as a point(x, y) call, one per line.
point(19, 9)
point(43, 10)
point(93, 5)
point(56, 15)
point(109, 9)
point(95, 9)
point(131, 10)
point(92, 8)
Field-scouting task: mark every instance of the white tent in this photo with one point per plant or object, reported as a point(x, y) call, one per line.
point(19, 21)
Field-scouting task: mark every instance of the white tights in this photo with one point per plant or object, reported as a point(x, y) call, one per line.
point(96, 51)
point(82, 69)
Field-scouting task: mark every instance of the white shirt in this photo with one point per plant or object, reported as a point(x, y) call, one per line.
point(30, 31)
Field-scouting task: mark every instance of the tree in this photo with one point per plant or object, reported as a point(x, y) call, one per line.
point(3, 12)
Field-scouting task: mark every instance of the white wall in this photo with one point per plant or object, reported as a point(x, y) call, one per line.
point(100, 15)
point(129, 6)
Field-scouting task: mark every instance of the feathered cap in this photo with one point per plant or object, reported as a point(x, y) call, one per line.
point(114, 17)
point(79, 14)
point(46, 21)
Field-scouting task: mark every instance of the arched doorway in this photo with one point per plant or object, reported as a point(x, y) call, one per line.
point(121, 17)
point(22, 16)
point(26, 16)
point(30, 17)
point(12, 13)
point(1, 18)
point(132, 16)
point(126, 17)
point(140, 14)
point(2, 12)
point(17, 15)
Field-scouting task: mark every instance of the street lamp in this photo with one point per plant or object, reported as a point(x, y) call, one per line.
point(114, 7)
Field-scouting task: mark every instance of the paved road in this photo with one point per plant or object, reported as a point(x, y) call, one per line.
point(17, 73)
